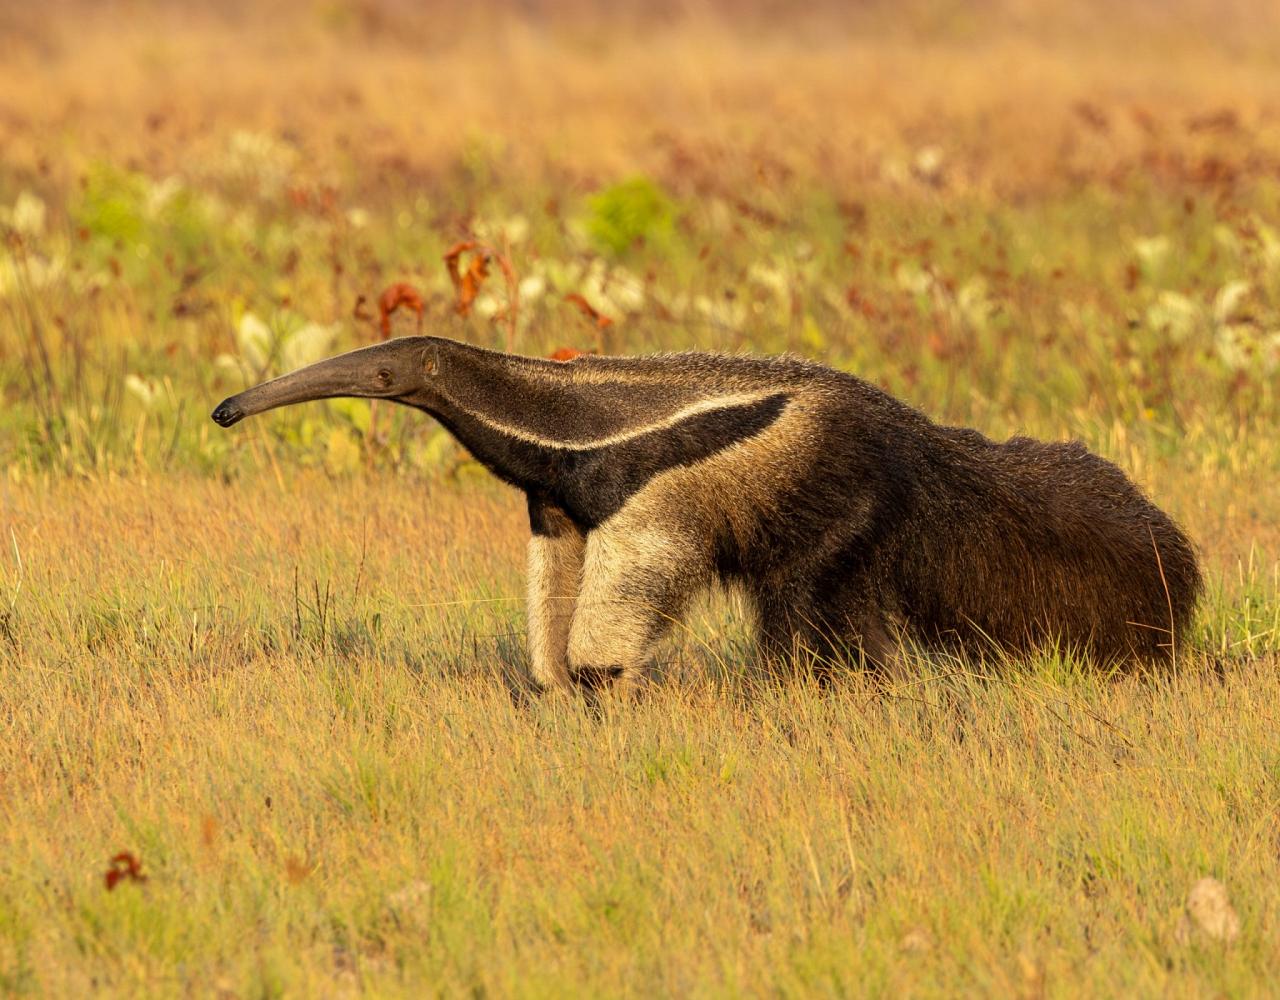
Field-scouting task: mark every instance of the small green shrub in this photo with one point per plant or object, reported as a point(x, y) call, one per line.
point(627, 213)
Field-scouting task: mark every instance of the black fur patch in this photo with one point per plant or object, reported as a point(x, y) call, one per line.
point(546, 520)
point(592, 485)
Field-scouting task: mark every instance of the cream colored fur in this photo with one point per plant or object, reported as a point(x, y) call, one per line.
point(555, 574)
point(640, 568)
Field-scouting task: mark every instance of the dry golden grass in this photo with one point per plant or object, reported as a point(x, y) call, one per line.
point(289, 703)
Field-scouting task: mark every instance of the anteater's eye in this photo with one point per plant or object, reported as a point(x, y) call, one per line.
point(384, 376)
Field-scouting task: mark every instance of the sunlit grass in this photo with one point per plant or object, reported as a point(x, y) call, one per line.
point(294, 705)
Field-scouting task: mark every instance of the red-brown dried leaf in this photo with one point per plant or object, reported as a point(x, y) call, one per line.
point(466, 284)
point(591, 312)
point(567, 353)
point(392, 298)
point(453, 255)
point(472, 281)
point(297, 870)
point(859, 302)
point(125, 866)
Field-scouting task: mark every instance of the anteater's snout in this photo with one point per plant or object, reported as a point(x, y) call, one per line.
point(227, 413)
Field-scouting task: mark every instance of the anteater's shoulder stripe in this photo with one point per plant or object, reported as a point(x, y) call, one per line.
point(596, 482)
point(730, 402)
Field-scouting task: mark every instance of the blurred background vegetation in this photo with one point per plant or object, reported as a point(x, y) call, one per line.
point(1057, 218)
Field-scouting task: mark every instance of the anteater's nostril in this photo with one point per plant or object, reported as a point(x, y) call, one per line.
point(226, 414)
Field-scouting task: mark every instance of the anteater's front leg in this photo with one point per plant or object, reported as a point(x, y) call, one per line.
point(637, 577)
point(554, 575)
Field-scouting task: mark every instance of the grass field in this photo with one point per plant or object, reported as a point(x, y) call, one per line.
point(280, 667)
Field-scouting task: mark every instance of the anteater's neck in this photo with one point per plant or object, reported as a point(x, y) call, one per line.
point(549, 427)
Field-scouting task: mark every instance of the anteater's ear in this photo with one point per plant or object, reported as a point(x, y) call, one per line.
point(431, 361)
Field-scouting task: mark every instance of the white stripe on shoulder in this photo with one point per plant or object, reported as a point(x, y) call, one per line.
point(671, 420)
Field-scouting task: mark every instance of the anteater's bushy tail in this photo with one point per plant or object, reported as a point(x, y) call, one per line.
point(1045, 542)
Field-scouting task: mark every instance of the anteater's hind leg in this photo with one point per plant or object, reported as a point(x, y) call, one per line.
point(555, 572)
point(637, 578)
point(800, 625)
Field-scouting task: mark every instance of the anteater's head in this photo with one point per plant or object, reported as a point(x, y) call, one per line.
point(400, 370)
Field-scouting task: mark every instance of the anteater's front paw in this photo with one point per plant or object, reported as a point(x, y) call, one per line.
point(594, 679)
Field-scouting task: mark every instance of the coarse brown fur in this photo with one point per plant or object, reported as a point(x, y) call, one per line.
point(853, 521)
